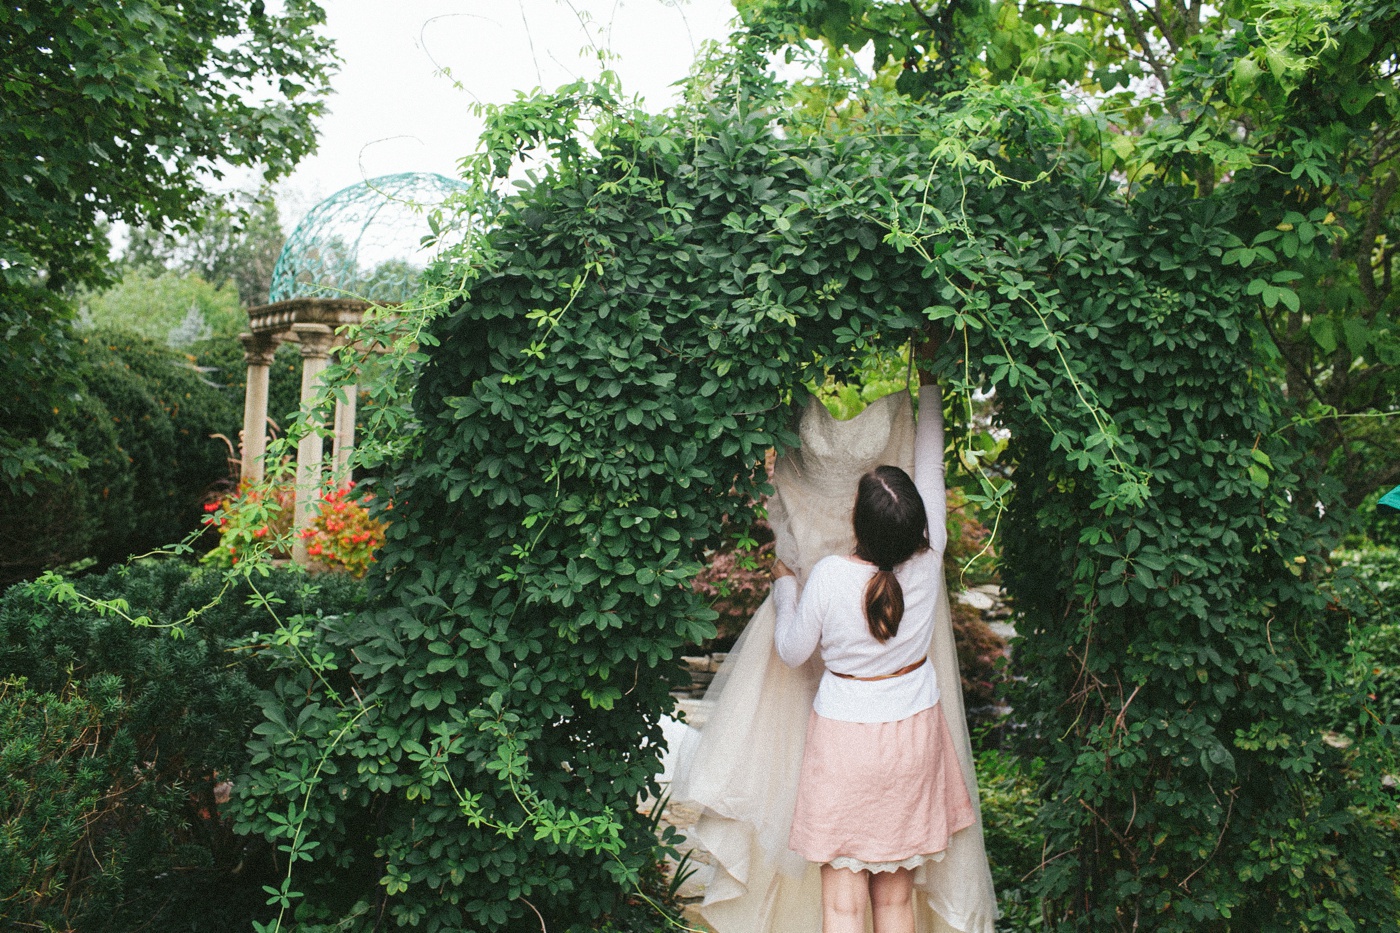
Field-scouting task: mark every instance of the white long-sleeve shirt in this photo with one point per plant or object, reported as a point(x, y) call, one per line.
point(830, 614)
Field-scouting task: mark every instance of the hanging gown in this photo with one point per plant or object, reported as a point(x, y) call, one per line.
point(742, 768)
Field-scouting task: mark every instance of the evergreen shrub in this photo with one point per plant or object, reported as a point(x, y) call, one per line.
point(1362, 696)
point(143, 419)
point(115, 741)
point(1358, 681)
point(1015, 843)
point(170, 308)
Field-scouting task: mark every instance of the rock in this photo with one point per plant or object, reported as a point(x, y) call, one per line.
point(693, 918)
point(1005, 630)
point(696, 711)
point(976, 599)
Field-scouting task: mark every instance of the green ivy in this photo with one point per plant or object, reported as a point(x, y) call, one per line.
point(596, 385)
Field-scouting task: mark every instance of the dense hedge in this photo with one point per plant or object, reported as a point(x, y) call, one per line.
point(113, 739)
point(144, 419)
point(598, 405)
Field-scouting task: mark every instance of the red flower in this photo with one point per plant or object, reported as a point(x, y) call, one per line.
point(211, 506)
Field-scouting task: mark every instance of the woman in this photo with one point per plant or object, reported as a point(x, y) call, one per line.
point(880, 791)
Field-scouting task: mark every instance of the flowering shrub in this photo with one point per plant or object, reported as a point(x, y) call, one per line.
point(257, 517)
point(343, 535)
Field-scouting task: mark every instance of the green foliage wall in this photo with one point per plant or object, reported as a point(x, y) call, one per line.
point(143, 420)
point(596, 406)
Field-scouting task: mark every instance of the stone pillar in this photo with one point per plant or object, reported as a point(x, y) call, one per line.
point(257, 353)
point(344, 433)
point(315, 354)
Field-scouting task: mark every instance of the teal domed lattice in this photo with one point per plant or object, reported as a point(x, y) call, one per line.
point(364, 241)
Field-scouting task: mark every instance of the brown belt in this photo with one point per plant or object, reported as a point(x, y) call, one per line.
point(906, 669)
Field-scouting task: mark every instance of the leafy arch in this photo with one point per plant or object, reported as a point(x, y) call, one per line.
point(595, 406)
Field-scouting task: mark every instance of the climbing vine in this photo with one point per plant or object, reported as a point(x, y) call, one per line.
point(594, 387)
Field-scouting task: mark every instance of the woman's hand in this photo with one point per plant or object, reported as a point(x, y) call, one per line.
point(781, 570)
point(936, 335)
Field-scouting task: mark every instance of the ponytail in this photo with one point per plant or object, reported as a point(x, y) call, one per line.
point(890, 525)
point(884, 605)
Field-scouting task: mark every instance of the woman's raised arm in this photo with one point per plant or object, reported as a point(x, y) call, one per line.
point(928, 461)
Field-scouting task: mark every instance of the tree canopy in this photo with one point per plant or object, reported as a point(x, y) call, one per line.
point(236, 241)
point(124, 111)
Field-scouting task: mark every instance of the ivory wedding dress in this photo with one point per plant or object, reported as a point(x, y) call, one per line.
point(742, 767)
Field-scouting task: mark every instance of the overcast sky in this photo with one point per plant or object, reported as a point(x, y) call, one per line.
point(392, 111)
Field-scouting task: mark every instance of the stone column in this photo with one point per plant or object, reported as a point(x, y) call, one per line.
point(344, 433)
point(315, 354)
point(257, 353)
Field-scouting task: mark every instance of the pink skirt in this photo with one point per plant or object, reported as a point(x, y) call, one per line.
point(879, 792)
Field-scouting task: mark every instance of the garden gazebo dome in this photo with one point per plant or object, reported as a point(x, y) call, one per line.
point(363, 242)
point(362, 246)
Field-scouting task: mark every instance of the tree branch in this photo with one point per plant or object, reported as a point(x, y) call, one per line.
point(1144, 40)
point(929, 21)
point(1304, 373)
point(1365, 266)
point(1087, 9)
point(1156, 11)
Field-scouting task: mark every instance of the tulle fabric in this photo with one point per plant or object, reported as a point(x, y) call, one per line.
point(742, 769)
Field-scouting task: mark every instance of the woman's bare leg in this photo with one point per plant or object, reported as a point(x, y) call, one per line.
point(892, 894)
point(844, 896)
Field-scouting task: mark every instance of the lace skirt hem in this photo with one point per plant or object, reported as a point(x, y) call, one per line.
point(855, 864)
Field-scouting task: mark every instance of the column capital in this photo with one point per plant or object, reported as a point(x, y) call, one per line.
point(258, 348)
point(315, 340)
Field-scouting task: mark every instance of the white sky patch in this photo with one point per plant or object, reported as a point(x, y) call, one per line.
point(393, 109)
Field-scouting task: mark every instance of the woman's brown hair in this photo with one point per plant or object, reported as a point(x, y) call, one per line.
point(891, 525)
